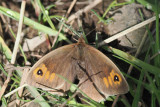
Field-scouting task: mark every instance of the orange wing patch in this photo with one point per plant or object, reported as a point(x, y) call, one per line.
point(47, 75)
point(40, 71)
point(106, 82)
point(110, 80)
point(113, 78)
point(51, 77)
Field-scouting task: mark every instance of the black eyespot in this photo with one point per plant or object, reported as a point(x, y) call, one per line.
point(40, 72)
point(116, 78)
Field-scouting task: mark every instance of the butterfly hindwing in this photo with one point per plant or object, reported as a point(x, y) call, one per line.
point(103, 73)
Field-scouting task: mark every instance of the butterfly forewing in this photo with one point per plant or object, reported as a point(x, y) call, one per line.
point(43, 73)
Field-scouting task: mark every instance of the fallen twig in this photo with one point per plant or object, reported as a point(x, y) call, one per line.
point(86, 9)
point(116, 36)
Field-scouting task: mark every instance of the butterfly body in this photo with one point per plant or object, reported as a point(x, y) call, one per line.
point(98, 75)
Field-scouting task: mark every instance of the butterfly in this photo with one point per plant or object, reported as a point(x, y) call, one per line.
point(98, 76)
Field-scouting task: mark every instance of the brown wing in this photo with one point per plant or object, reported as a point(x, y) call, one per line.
point(59, 61)
point(103, 75)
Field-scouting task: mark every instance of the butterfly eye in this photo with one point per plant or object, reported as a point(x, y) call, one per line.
point(116, 78)
point(40, 72)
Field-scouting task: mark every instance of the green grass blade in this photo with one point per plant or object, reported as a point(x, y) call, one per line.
point(3, 70)
point(157, 45)
point(20, 47)
point(153, 100)
point(147, 4)
point(4, 49)
point(31, 23)
point(44, 13)
point(138, 91)
point(152, 69)
point(109, 7)
point(73, 85)
point(126, 103)
point(38, 97)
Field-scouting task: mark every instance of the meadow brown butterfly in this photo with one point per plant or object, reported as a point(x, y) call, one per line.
point(98, 76)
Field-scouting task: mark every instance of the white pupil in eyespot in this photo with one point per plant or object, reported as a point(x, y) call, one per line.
point(116, 78)
point(39, 72)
